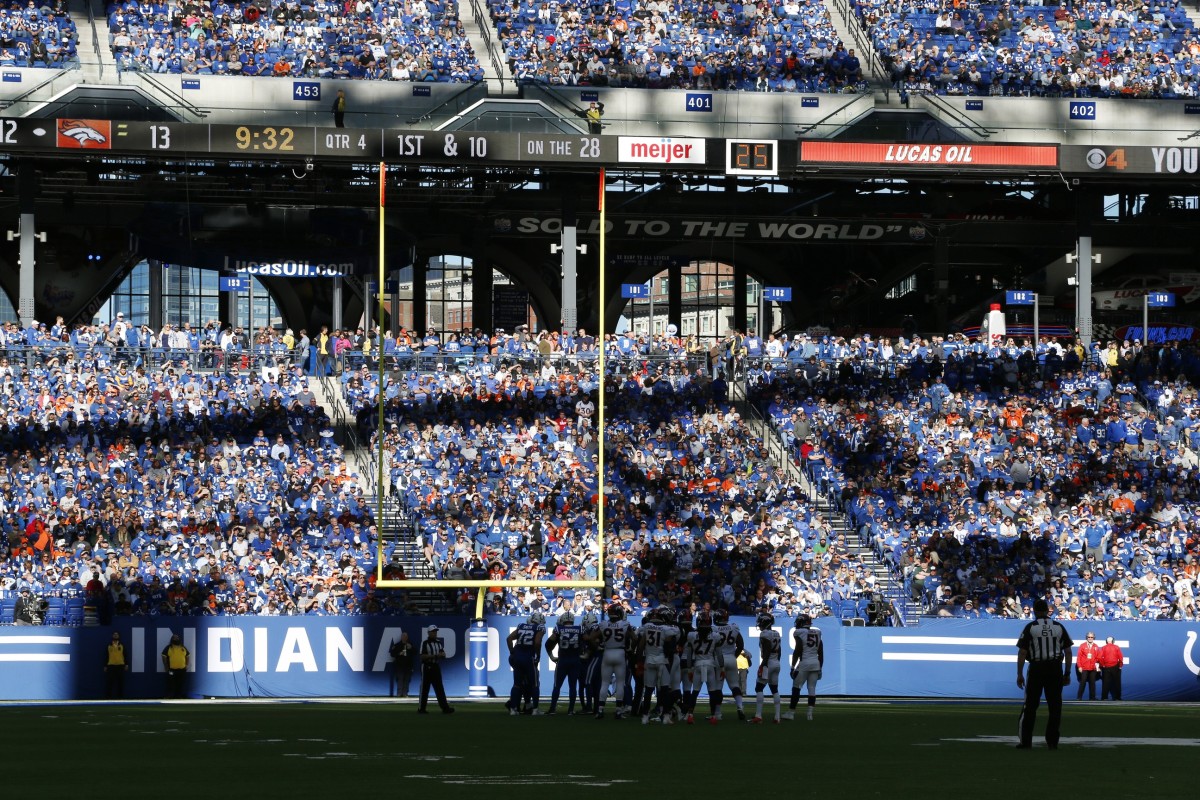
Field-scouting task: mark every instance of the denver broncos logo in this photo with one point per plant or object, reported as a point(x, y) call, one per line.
point(84, 133)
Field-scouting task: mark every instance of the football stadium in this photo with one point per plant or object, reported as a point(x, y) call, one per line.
point(380, 376)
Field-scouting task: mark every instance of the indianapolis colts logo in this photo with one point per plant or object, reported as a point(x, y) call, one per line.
point(1187, 654)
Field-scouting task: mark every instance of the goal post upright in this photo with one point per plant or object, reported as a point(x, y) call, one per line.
point(598, 582)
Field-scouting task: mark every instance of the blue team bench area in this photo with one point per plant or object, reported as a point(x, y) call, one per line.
point(348, 657)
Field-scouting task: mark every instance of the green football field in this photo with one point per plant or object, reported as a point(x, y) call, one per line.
point(359, 749)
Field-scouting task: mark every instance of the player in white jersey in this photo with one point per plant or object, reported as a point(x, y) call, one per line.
point(615, 636)
point(658, 636)
point(729, 646)
point(701, 651)
point(770, 649)
point(808, 660)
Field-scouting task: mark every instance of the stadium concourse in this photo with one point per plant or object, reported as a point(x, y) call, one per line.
point(192, 480)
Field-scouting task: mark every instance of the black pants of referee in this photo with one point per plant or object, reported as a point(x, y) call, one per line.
point(1045, 677)
point(431, 676)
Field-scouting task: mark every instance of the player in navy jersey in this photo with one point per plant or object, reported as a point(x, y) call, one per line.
point(568, 638)
point(524, 645)
point(590, 657)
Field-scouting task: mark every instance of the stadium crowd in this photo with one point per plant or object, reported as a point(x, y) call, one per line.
point(983, 477)
point(175, 490)
point(401, 40)
point(787, 46)
point(1088, 49)
point(494, 455)
point(39, 34)
point(989, 477)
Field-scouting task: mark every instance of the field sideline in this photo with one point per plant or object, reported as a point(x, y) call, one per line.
point(853, 749)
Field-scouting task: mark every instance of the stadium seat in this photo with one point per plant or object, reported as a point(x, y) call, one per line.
point(74, 611)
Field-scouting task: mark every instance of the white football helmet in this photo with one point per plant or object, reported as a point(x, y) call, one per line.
point(590, 619)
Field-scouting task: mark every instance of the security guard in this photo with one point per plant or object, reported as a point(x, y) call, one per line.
point(1046, 645)
point(115, 667)
point(433, 651)
point(175, 658)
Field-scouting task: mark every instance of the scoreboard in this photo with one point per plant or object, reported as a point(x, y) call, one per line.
point(736, 157)
point(742, 157)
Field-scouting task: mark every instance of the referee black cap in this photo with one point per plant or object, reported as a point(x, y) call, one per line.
point(1041, 608)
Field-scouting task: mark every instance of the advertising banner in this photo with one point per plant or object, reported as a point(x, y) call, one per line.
point(348, 657)
point(929, 155)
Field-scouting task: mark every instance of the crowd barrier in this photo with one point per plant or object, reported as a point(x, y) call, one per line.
point(348, 657)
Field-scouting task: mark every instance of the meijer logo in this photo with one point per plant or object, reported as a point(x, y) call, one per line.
point(660, 150)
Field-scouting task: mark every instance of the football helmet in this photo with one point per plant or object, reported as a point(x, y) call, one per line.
point(704, 622)
point(566, 618)
point(590, 619)
point(721, 617)
point(766, 620)
point(804, 621)
point(616, 612)
point(666, 615)
point(685, 617)
point(537, 618)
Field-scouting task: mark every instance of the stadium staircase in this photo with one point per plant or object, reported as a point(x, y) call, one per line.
point(401, 547)
point(891, 587)
point(481, 33)
point(96, 62)
point(1193, 14)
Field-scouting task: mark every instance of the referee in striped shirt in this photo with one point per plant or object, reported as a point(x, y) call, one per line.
point(1046, 645)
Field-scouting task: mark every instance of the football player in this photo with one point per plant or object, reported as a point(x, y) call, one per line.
point(568, 638)
point(616, 637)
point(769, 651)
point(703, 669)
point(729, 646)
point(524, 645)
point(808, 660)
point(590, 657)
point(657, 637)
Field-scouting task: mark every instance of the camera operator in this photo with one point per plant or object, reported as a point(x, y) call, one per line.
point(29, 609)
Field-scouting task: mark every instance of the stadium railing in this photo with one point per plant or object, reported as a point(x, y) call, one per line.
point(105, 355)
point(427, 362)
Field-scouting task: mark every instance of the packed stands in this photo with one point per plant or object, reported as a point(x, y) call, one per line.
point(986, 478)
point(416, 40)
point(172, 477)
point(781, 47)
point(491, 448)
point(1092, 49)
point(174, 489)
point(38, 35)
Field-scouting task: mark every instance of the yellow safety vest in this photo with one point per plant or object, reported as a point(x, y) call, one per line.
point(177, 656)
point(116, 655)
